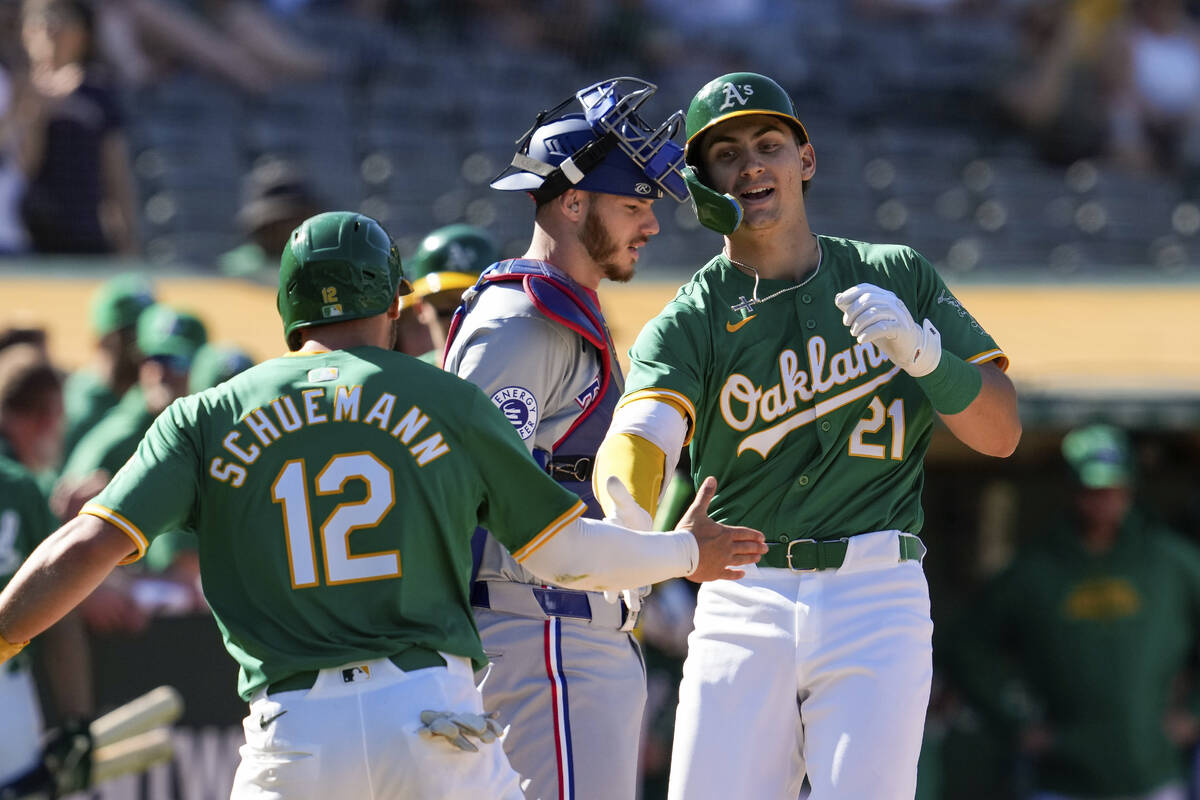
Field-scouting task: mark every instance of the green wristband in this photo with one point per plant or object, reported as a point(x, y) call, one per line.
point(953, 385)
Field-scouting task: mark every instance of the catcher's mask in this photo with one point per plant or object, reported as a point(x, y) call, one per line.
point(606, 148)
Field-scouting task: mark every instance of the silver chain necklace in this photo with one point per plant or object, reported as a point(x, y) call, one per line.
point(748, 305)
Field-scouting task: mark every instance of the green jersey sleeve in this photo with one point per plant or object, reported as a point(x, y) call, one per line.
point(523, 506)
point(155, 491)
point(961, 334)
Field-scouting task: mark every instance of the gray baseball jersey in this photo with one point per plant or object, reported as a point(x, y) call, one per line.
point(571, 685)
point(511, 351)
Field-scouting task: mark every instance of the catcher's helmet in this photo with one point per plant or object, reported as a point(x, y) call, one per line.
point(449, 260)
point(737, 94)
point(607, 148)
point(337, 266)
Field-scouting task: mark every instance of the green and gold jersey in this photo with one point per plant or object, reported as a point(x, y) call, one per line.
point(25, 520)
point(334, 496)
point(808, 433)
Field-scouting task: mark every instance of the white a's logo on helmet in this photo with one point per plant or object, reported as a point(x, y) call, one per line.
point(733, 95)
point(642, 188)
point(460, 257)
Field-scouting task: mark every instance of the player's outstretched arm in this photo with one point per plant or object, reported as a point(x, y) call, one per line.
point(58, 575)
point(600, 555)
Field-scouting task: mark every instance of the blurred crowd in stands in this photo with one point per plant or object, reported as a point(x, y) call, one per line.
point(996, 134)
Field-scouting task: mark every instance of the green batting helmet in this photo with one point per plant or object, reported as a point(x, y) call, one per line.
point(119, 301)
point(165, 332)
point(737, 94)
point(449, 260)
point(336, 267)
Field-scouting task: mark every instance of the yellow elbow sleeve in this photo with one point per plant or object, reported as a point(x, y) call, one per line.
point(9, 649)
point(639, 464)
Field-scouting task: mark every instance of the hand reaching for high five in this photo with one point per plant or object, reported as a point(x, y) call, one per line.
point(721, 546)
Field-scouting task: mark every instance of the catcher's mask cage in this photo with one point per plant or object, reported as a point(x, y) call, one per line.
point(610, 108)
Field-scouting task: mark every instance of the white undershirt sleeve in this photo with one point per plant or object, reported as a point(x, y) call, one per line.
point(599, 555)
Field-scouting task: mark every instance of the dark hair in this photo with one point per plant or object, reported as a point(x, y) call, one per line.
point(26, 377)
point(23, 335)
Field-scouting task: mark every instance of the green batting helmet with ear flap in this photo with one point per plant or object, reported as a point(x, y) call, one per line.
point(337, 266)
point(737, 94)
point(448, 261)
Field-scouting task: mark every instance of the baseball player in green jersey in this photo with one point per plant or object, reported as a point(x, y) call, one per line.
point(30, 434)
point(1095, 618)
point(91, 391)
point(447, 262)
point(168, 341)
point(24, 521)
point(334, 491)
point(804, 372)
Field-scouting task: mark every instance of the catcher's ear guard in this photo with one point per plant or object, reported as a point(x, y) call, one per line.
point(719, 212)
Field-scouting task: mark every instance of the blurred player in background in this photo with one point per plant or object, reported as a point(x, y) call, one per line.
point(1096, 620)
point(796, 367)
point(276, 197)
point(168, 341)
point(565, 672)
point(94, 389)
point(447, 262)
point(216, 363)
point(31, 415)
point(357, 664)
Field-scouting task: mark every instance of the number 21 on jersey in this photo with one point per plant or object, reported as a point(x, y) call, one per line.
point(291, 491)
point(872, 424)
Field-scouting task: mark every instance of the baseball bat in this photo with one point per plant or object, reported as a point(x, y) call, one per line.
point(156, 707)
point(133, 754)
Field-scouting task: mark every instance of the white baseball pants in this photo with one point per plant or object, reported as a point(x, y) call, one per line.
point(358, 739)
point(820, 672)
point(573, 695)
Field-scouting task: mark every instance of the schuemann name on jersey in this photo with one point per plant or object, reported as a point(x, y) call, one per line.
point(293, 412)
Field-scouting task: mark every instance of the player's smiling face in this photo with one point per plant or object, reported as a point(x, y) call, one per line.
point(614, 231)
point(756, 159)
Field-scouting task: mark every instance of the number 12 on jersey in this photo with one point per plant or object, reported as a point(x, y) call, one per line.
point(291, 491)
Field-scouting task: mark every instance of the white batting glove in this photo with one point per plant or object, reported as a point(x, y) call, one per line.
point(457, 728)
point(626, 512)
point(878, 316)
